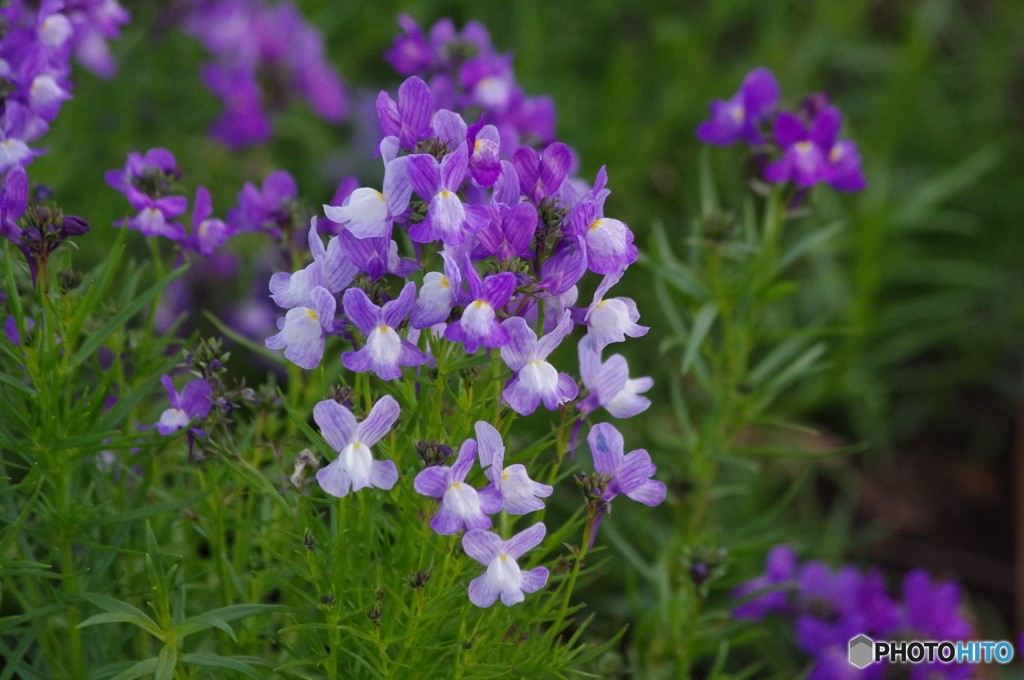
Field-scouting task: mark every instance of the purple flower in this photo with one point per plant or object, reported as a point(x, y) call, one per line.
point(370, 213)
point(409, 118)
point(448, 218)
point(484, 156)
point(842, 170)
point(610, 385)
point(193, 403)
point(613, 319)
point(504, 578)
point(375, 256)
point(438, 295)
point(509, 232)
point(304, 330)
point(154, 214)
point(13, 202)
point(409, 54)
point(11, 329)
point(739, 117)
point(628, 474)
point(804, 151)
point(609, 242)
point(541, 174)
point(780, 570)
point(932, 611)
point(461, 504)
point(519, 493)
point(479, 324)
point(264, 209)
point(152, 172)
point(207, 234)
point(329, 269)
point(355, 467)
point(535, 379)
point(385, 352)
point(243, 120)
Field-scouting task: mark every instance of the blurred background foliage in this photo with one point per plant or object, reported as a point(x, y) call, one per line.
point(918, 294)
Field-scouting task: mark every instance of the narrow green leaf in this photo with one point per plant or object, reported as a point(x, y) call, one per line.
point(204, 659)
point(109, 604)
point(138, 670)
point(165, 663)
point(701, 325)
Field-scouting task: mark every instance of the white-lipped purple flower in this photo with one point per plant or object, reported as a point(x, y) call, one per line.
point(519, 493)
point(448, 219)
point(330, 269)
point(504, 578)
point(461, 504)
point(191, 404)
point(208, 233)
point(154, 214)
point(609, 241)
point(609, 383)
point(266, 208)
point(355, 467)
point(479, 324)
point(535, 379)
point(611, 320)
point(304, 330)
point(409, 118)
point(438, 294)
point(368, 213)
point(385, 351)
point(13, 202)
point(628, 474)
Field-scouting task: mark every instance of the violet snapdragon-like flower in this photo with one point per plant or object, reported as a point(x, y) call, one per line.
point(770, 596)
point(191, 404)
point(385, 351)
point(509, 233)
point(629, 474)
point(815, 154)
point(408, 119)
point(519, 493)
point(438, 295)
point(504, 578)
point(448, 219)
point(208, 233)
point(370, 213)
point(535, 379)
point(375, 257)
point(609, 383)
point(13, 202)
point(355, 468)
point(612, 319)
point(330, 269)
point(542, 173)
point(739, 118)
point(479, 324)
point(155, 214)
point(609, 241)
point(304, 330)
point(461, 505)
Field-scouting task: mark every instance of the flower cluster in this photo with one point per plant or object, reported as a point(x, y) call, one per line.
point(35, 51)
point(265, 55)
point(466, 73)
point(502, 245)
point(803, 148)
point(829, 608)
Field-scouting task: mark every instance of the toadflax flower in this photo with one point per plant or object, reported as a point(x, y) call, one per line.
point(738, 118)
point(192, 403)
point(519, 493)
point(479, 324)
point(304, 330)
point(438, 295)
point(385, 352)
point(461, 504)
point(504, 578)
point(612, 319)
point(535, 379)
point(448, 218)
point(628, 474)
point(610, 385)
point(355, 468)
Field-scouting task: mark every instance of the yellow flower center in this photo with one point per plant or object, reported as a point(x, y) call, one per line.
point(444, 281)
point(480, 303)
point(444, 193)
point(312, 314)
point(595, 225)
point(383, 329)
point(381, 196)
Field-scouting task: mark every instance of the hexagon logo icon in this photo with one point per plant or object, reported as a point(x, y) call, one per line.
point(862, 651)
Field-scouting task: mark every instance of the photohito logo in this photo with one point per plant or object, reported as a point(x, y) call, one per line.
point(865, 651)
